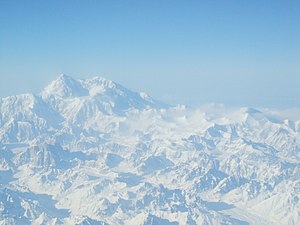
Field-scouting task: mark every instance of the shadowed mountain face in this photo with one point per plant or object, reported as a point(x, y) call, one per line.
point(93, 152)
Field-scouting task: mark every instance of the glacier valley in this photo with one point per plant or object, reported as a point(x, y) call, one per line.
point(94, 152)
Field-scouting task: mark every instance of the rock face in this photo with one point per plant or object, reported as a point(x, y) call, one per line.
point(93, 152)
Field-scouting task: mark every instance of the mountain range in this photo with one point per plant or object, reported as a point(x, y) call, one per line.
point(94, 152)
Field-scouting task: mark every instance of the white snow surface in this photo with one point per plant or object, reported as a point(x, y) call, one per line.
point(93, 152)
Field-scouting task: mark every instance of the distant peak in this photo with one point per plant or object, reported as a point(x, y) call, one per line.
point(98, 78)
point(99, 89)
point(251, 111)
point(101, 81)
point(62, 75)
point(64, 86)
point(98, 85)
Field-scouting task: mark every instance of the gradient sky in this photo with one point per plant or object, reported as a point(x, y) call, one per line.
point(191, 52)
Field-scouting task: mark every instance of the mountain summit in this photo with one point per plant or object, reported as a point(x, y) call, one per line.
point(64, 86)
point(98, 89)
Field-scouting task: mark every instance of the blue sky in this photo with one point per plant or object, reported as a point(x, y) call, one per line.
point(191, 52)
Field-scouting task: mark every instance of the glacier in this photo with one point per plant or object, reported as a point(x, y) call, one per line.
point(94, 152)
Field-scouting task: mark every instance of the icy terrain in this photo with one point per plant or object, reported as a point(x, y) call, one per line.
point(93, 152)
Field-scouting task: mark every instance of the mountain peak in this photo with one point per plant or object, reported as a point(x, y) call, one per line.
point(64, 86)
point(117, 95)
point(98, 85)
point(251, 111)
point(64, 76)
point(96, 93)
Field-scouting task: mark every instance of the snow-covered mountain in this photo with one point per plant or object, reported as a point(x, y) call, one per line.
point(93, 152)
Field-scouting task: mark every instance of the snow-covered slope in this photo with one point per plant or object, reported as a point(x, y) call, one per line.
point(93, 152)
